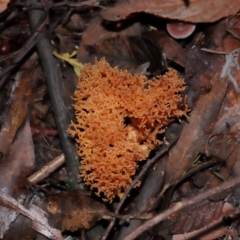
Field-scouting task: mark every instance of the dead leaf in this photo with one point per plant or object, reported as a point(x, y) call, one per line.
point(146, 50)
point(188, 11)
point(7, 216)
point(38, 217)
point(195, 217)
point(129, 53)
point(70, 212)
point(115, 50)
point(225, 134)
point(200, 67)
point(22, 226)
point(76, 22)
point(214, 176)
point(3, 5)
point(171, 48)
point(14, 168)
point(217, 37)
point(193, 138)
point(18, 163)
point(17, 110)
point(235, 32)
point(213, 230)
point(97, 28)
point(228, 122)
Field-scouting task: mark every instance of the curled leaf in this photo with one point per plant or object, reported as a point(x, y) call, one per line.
point(189, 11)
point(69, 211)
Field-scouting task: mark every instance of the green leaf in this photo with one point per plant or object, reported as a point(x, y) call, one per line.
point(77, 66)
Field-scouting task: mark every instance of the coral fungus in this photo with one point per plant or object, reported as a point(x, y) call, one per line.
point(118, 118)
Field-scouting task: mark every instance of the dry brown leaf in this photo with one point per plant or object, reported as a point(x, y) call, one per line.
point(3, 5)
point(7, 216)
point(131, 53)
point(228, 122)
point(171, 48)
point(225, 134)
point(215, 228)
point(217, 36)
point(195, 217)
point(70, 212)
point(190, 11)
point(18, 163)
point(13, 171)
point(97, 32)
point(21, 225)
point(200, 65)
point(17, 110)
point(235, 32)
point(38, 216)
point(193, 138)
point(213, 177)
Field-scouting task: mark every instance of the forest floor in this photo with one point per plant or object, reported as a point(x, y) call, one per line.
point(119, 119)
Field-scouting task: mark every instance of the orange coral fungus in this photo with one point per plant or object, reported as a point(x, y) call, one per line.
point(118, 117)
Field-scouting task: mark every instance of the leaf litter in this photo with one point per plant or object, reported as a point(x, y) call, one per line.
point(199, 153)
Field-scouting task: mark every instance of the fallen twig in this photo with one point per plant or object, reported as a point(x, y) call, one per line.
point(39, 221)
point(47, 169)
point(56, 90)
point(181, 205)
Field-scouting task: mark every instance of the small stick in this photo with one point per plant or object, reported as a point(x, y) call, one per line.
point(213, 51)
point(47, 169)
